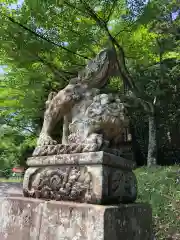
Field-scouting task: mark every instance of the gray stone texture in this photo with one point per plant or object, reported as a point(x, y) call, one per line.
point(34, 219)
point(96, 177)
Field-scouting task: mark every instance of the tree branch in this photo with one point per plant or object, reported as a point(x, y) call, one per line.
point(52, 67)
point(8, 123)
point(43, 38)
point(103, 25)
point(121, 56)
point(77, 34)
point(123, 30)
point(73, 7)
point(111, 10)
point(57, 72)
point(92, 14)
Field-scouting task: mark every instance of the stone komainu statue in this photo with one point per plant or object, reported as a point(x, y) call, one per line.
point(95, 120)
point(87, 166)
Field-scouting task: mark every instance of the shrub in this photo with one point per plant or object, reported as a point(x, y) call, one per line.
point(160, 186)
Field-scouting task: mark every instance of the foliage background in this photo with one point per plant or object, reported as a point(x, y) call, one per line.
point(45, 43)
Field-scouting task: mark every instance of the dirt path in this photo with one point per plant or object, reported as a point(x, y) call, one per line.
point(5, 188)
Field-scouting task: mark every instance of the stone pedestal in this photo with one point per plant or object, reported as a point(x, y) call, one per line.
point(80, 183)
point(34, 219)
point(93, 177)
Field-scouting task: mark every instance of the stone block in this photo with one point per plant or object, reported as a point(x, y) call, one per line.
point(14, 192)
point(92, 222)
point(94, 177)
point(31, 219)
point(20, 218)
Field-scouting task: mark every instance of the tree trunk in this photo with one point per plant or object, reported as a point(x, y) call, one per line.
point(152, 145)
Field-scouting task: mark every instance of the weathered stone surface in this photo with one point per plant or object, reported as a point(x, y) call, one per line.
point(20, 219)
point(92, 158)
point(14, 193)
point(98, 178)
point(73, 221)
point(48, 150)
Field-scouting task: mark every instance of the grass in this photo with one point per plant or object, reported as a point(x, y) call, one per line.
point(11, 180)
point(160, 187)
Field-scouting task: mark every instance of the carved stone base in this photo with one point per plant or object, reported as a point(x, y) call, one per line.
point(96, 177)
point(47, 150)
point(33, 219)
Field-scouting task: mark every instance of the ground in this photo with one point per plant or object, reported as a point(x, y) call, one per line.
point(6, 188)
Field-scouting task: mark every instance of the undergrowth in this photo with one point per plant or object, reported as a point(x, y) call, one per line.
point(160, 186)
point(11, 180)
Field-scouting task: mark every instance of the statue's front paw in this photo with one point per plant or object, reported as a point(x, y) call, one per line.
point(46, 140)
